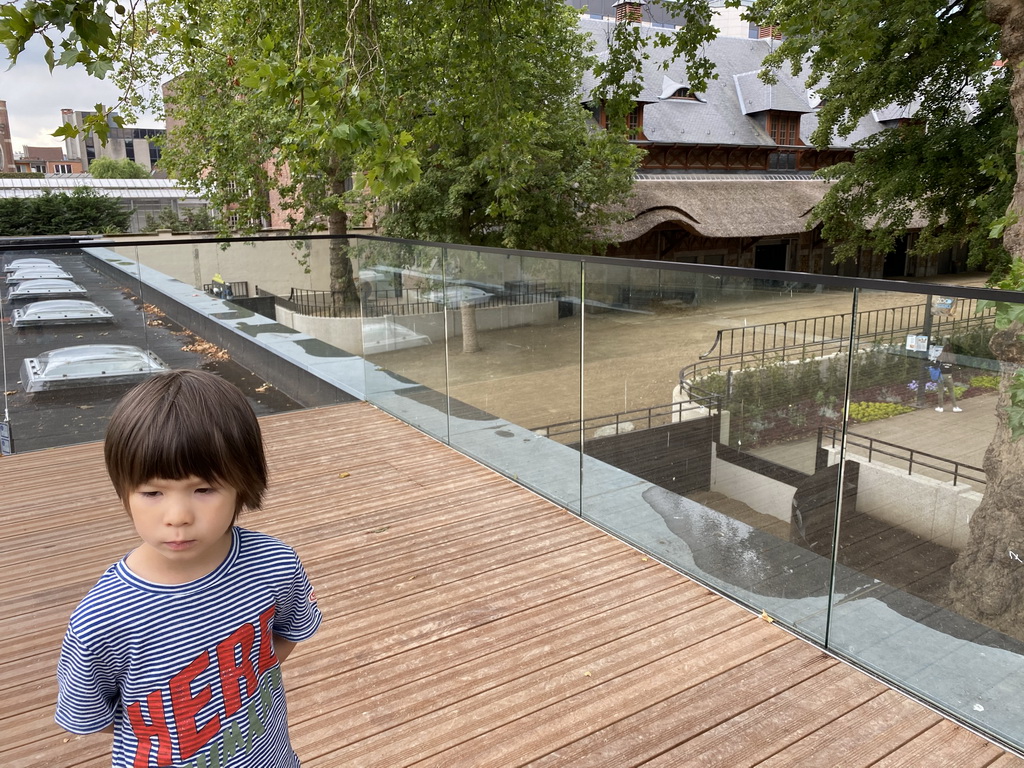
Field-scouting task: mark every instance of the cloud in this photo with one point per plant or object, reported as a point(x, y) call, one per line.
point(35, 98)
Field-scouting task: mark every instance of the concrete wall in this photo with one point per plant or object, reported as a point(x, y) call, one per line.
point(935, 510)
point(761, 493)
point(273, 265)
point(347, 332)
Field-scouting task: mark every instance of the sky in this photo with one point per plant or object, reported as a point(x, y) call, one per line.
point(35, 97)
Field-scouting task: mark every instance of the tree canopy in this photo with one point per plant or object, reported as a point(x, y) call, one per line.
point(109, 168)
point(949, 162)
point(465, 118)
point(59, 213)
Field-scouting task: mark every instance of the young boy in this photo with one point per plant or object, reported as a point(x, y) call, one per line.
point(177, 649)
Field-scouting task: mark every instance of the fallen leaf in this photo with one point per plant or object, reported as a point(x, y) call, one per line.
point(766, 617)
point(381, 530)
point(586, 674)
point(343, 474)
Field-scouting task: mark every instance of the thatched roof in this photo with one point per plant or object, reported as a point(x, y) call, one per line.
point(735, 207)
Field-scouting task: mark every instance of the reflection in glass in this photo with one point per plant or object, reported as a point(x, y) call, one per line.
point(921, 418)
point(514, 364)
point(711, 392)
point(402, 332)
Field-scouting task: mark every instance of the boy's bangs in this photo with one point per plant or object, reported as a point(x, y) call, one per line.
point(185, 451)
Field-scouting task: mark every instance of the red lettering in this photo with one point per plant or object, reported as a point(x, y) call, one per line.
point(186, 706)
point(233, 672)
point(267, 656)
point(145, 732)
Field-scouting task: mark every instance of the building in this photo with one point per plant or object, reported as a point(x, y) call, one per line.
point(142, 197)
point(727, 178)
point(47, 160)
point(136, 144)
point(6, 148)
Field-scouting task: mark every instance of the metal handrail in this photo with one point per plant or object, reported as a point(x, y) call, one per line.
point(646, 416)
point(912, 457)
point(828, 335)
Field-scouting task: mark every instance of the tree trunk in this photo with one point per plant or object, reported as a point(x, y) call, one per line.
point(988, 576)
point(343, 286)
point(467, 311)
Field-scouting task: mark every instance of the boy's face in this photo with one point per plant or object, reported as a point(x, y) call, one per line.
point(185, 526)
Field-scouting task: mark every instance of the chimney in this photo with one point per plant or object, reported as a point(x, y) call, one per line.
point(630, 11)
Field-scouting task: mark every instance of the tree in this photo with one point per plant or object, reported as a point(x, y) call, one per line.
point(108, 168)
point(959, 162)
point(502, 167)
point(290, 99)
point(58, 213)
point(949, 160)
point(193, 219)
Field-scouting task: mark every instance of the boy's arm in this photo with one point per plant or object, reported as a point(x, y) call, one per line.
point(283, 648)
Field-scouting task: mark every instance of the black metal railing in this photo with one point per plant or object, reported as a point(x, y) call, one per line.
point(239, 289)
point(811, 337)
point(914, 458)
point(379, 303)
point(616, 423)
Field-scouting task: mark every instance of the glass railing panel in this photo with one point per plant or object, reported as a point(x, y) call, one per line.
point(238, 296)
point(703, 398)
point(73, 342)
point(404, 330)
point(184, 305)
point(928, 566)
point(514, 364)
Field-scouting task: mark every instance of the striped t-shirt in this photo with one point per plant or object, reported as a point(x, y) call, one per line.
point(187, 673)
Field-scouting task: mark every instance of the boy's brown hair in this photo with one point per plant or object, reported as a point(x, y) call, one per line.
point(186, 423)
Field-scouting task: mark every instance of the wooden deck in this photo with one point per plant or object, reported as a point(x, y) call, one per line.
point(468, 623)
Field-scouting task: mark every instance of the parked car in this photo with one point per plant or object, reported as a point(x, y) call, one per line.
point(457, 295)
point(38, 289)
point(88, 365)
point(60, 312)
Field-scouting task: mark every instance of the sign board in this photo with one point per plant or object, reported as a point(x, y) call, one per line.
point(917, 343)
point(6, 444)
point(943, 305)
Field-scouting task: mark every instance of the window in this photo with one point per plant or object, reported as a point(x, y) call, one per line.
point(635, 122)
point(684, 93)
point(784, 128)
point(769, 32)
point(62, 168)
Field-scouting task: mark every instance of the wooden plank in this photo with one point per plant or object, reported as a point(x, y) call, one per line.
point(467, 622)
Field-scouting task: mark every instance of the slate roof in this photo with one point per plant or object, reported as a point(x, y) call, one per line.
point(724, 115)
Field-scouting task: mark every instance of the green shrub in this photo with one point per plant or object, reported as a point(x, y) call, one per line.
point(985, 382)
point(863, 412)
point(58, 213)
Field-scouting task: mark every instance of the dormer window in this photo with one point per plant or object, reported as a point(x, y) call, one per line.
point(763, 33)
point(684, 93)
point(784, 128)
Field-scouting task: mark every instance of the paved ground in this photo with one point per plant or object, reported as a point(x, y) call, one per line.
point(531, 375)
point(64, 417)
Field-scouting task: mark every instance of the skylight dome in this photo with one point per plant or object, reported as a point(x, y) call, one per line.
point(60, 312)
point(39, 289)
point(88, 365)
